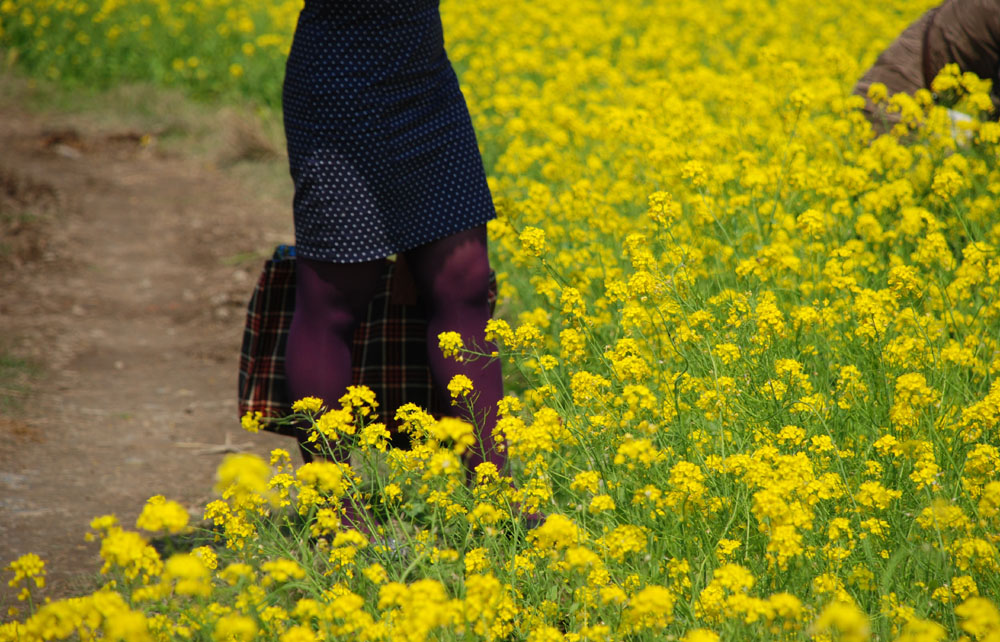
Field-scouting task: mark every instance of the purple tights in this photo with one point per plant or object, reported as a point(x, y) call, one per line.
point(331, 299)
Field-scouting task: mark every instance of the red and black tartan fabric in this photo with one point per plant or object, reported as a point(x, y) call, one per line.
point(389, 349)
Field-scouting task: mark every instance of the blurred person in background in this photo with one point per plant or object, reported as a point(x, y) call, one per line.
point(965, 33)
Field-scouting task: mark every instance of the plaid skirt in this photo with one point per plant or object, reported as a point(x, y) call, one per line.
point(389, 352)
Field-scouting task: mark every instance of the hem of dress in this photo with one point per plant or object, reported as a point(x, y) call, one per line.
point(322, 253)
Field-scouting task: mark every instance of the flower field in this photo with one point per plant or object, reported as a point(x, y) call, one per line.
point(756, 348)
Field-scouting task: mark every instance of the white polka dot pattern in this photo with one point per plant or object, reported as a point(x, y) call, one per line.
point(380, 143)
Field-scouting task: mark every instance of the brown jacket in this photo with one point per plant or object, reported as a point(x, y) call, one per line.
point(964, 32)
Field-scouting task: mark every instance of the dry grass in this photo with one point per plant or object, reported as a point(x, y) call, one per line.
point(25, 206)
point(245, 140)
point(249, 138)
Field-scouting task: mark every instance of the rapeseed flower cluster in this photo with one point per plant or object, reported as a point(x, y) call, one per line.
point(753, 350)
point(211, 48)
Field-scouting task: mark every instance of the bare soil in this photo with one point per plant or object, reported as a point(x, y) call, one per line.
point(125, 267)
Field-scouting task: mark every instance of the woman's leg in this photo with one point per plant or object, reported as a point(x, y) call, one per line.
point(452, 276)
point(331, 299)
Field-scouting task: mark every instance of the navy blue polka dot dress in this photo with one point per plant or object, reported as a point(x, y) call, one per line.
point(380, 143)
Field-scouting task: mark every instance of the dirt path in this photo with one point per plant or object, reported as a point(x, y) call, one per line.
point(130, 297)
